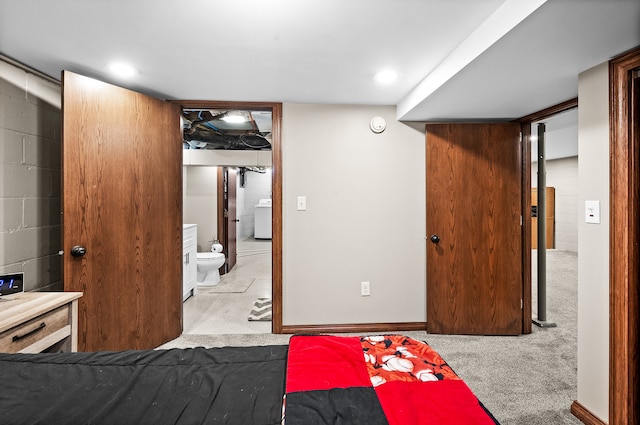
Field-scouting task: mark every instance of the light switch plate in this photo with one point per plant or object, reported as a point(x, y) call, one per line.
point(592, 212)
point(302, 203)
point(365, 289)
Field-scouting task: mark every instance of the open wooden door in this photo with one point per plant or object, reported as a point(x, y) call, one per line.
point(227, 217)
point(122, 205)
point(232, 219)
point(474, 229)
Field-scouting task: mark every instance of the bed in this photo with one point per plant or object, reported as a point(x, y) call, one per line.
point(389, 379)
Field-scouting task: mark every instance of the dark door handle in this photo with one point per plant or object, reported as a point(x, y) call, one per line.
point(31, 332)
point(78, 251)
point(236, 220)
point(435, 238)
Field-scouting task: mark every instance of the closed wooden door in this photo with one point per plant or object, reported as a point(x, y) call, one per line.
point(122, 203)
point(474, 229)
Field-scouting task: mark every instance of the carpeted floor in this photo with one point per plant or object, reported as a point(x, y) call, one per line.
point(524, 380)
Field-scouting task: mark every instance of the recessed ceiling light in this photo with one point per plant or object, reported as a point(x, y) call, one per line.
point(387, 76)
point(234, 118)
point(123, 70)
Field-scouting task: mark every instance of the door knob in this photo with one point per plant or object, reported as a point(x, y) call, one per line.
point(78, 251)
point(435, 238)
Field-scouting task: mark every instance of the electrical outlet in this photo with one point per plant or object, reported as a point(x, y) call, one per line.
point(365, 289)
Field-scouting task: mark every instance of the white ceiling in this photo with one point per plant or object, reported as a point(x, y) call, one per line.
point(471, 59)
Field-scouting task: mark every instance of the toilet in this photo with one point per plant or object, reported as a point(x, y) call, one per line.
point(208, 264)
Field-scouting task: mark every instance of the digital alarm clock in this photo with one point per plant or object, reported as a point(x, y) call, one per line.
point(11, 283)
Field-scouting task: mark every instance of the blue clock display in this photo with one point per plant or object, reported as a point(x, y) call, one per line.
point(11, 283)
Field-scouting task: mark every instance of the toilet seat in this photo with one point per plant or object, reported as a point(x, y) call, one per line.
point(209, 256)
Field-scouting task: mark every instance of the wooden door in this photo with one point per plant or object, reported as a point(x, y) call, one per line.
point(227, 218)
point(232, 219)
point(122, 202)
point(474, 270)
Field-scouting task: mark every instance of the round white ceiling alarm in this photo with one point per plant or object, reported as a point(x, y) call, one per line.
point(377, 124)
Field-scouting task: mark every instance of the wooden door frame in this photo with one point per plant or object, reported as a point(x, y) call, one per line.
point(526, 123)
point(624, 255)
point(276, 188)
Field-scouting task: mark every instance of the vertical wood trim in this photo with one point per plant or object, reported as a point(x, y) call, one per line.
point(276, 241)
point(623, 243)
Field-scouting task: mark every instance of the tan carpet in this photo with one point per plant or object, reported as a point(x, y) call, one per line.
point(522, 380)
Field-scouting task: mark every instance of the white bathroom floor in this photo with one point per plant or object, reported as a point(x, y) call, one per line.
point(227, 313)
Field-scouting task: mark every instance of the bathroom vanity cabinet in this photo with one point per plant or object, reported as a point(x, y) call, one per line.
point(189, 260)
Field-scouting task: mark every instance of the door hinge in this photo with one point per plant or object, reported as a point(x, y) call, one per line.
point(521, 220)
point(521, 304)
point(521, 137)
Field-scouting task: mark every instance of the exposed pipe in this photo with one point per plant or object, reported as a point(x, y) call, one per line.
point(28, 69)
point(542, 233)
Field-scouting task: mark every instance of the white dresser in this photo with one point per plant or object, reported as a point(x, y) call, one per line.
point(189, 260)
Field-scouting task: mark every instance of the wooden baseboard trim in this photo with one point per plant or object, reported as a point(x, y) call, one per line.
point(584, 415)
point(354, 328)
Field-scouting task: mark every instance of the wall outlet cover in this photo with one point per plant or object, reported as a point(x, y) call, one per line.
point(592, 212)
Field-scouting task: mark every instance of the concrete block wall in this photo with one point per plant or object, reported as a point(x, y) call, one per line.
point(30, 178)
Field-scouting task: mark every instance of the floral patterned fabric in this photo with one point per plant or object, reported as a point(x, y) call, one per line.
point(400, 358)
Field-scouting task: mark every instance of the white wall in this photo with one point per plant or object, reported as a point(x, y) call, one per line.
point(257, 186)
point(559, 142)
point(562, 174)
point(30, 221)
point(593, 242)
point(365, 218)
point(201, 202)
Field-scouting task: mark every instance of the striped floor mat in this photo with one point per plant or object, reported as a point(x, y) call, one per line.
point(261, 310)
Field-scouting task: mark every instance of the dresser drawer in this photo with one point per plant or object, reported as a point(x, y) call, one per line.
point(51, 325)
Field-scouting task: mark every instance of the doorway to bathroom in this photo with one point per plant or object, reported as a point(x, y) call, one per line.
point(230, 181)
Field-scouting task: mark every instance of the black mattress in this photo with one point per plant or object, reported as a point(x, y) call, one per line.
point(230, 385)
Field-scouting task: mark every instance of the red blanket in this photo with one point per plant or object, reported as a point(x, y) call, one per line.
point(387, 379)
